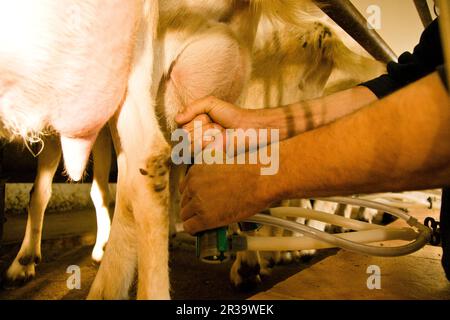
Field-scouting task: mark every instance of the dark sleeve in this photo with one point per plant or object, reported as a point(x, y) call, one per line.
point(427, 56)
point(443, 74)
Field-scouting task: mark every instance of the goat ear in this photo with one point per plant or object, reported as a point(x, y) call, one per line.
point(76, 153)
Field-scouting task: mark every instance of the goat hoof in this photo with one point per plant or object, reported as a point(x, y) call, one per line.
point(249, 284)
point(29, 258)
point(249, 277)
point(19, 274)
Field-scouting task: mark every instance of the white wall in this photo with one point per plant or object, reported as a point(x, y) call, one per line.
point(65, 197)
point(400, 23)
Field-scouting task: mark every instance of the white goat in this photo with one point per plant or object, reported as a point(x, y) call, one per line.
point(140, 64)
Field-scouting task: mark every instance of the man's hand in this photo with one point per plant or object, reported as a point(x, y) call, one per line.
point(212, 113)
point(220, 112)
point(217, 195)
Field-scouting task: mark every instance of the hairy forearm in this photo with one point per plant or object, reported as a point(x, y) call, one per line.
point(398, 143)
point(303, 116)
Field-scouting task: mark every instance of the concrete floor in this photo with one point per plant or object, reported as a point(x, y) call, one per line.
point(331, 275)
point(68, 240)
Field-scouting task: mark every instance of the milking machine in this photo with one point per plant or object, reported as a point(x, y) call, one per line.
point(216, 246)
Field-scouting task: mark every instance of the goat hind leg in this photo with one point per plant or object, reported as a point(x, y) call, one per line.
point(146, 190)
point(142, 192)
point(152, 222)
point(117, 269)
point(23, 267)
point(100, 191)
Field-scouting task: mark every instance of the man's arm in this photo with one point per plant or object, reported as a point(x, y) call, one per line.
point(291, 120)
point(398, 143)
point(304, 116)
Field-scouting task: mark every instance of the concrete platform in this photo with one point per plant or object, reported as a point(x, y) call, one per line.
point(344, 276)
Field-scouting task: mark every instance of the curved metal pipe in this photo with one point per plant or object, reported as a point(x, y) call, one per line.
point(424, 12)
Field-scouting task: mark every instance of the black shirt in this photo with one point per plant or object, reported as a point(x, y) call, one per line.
point(426, 59)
